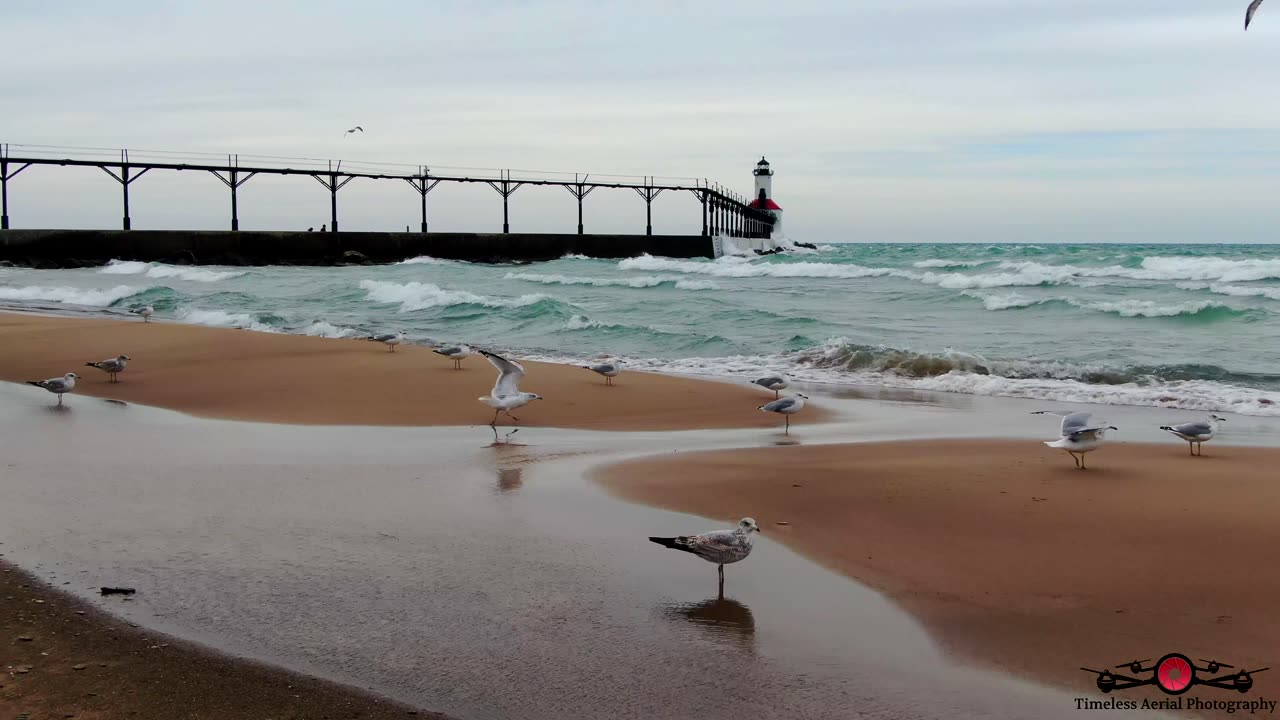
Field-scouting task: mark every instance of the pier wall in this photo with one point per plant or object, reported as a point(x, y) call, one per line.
point(82, 248)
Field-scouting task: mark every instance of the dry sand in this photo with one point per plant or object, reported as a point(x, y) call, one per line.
point(61, 658)
point(1012, 557)
point(244, 375)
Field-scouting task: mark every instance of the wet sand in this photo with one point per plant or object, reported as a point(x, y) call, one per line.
point(266, 377)
point(1007, 553)
point(62, 658)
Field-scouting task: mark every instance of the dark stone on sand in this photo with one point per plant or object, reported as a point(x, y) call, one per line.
point(118, 591)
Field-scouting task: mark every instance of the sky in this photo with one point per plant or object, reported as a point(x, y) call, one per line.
point(884, 120)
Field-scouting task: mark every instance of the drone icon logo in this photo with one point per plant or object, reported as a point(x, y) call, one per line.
point(1175, 674)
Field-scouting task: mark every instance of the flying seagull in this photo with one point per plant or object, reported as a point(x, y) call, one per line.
point(505, 395)
point(1196, 433)
point(57, 386)
point(718, 546)
point(1248, 14)
point(609, 370)
point(1080, 434)
point(391, 340)
point(112, 366)
point(787, 406)
point(145, 312)
point(345, 134)
point(456, 353)
point(772, 382)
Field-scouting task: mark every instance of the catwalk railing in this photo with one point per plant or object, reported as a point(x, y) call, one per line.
point(723, 212)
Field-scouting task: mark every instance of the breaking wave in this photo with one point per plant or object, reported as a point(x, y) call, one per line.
point(412, 296)
point(220, 318)
point(645, 281)
point(70, 295)
point(160, 270)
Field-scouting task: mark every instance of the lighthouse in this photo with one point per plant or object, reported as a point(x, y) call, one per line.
point(764, 194)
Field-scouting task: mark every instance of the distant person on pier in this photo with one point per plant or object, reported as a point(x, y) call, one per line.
point(322, 228)
point(311, 228)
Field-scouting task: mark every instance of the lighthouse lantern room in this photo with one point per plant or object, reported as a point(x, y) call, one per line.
point(764, 194)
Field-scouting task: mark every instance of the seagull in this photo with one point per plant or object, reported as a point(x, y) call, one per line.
point(1196, 433)
point(1080, 434)
point(145, 312)
point(391, 340)
point(788, 406)
point(772, 382)
point(456, 353)
point(1248, 14)
point(505, 395)
point(609, 370)
point(112, 366)
point(718, 546)
point(57, 386)
point(345, 134)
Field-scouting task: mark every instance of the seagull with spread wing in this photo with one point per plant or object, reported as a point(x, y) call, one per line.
point(505, 395)
point(1080, 434)
point(1248, 14)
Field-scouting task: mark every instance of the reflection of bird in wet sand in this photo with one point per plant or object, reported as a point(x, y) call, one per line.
point(505, 395)
point(510, 478)
point(718, 546)
point(720, 617)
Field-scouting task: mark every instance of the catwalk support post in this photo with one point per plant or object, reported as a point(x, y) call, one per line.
point(233, 180)
point(505, 187)
point(423, 183)
point(579, 190)
point(648, 192)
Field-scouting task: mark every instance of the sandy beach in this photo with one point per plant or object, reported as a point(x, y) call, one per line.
point(1008, 554)
point(267, 377)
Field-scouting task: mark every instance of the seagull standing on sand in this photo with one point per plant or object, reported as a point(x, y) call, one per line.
point(345, 134)
point(718, 546)
point(145, 312)
point(609, 370)
point(1248, 14)
point(57, 386)
point(112, 366)
point(1080, 434)
point(456, 353)
point(1196, 433)
point(787, 406)
point(391, 340)
point(505, 395)
point(772, 382)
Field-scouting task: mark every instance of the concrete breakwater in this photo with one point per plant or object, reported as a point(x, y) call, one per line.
point(83, 248)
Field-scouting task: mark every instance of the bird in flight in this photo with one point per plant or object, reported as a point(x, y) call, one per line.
point(345, 134)
point(1248, 14)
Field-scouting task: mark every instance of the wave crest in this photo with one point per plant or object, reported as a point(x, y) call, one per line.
point(160, 270)
point(70, 295)
point(412, 296)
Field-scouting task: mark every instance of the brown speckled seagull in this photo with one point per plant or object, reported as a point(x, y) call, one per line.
point(718, 546)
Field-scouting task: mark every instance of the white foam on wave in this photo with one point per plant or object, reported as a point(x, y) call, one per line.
point(1149, 308)
point(696, 285)
point(1233, 290)
point(160, 270)
point(1006, 301)
point(942, 263)
point(70, 295)
point(220, 318)
point(321, 328)
point(420, 296)
point(635, 282)
point(582, 322)
point(424, 260)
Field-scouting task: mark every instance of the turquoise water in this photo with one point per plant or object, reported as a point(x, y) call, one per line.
point(1180, 326)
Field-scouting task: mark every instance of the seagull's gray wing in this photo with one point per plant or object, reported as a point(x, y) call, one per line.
point(603, 367)
point(509, 374)
point(55, 384)
point(715, 541)
point(768, 381)
point(1248, 14)
point(778, 405)
point(451, 350)
point(1193, 428)
point(1075, 422)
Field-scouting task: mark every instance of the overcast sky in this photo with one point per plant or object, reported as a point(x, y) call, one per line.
point(885, 120)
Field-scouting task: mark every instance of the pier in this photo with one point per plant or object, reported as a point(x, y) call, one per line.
point(724, 213)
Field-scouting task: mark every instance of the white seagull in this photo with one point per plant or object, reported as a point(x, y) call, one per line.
point(1196, 433)
point(718, 546)
point(345, 134)
point(57, 386)
point(1248, 14)
point(505, 395)
point(456, 353)
point(145, 312)
point(391, 340)
point(1080, 434)
point(787, 406)
point(609, 370)
point(772, 382)
point(112, 366)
